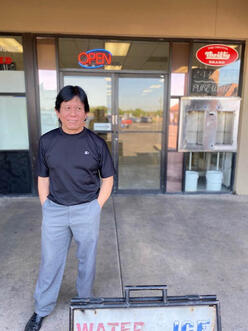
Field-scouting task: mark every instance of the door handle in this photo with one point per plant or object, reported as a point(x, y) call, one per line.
point(115, 119)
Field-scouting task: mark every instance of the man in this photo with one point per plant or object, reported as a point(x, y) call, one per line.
point(70, 163)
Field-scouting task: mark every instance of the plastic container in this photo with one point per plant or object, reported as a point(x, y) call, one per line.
point(191, 181)
point(214, 180)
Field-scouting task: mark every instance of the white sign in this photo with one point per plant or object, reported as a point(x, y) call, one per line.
point(102, 126)
point(179, 318)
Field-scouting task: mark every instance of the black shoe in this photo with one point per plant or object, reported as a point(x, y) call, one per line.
point(34, 324)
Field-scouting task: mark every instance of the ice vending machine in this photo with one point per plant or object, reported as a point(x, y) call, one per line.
point(208, 124)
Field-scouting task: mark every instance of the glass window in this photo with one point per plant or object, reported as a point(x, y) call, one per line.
point(208, 171)
point(215, 80)
point(11, 65)
point(13, 123)
point(15, 166)
point(47, 83)
point(126, 54)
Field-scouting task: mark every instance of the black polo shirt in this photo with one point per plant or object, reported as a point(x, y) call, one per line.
point(74, 164)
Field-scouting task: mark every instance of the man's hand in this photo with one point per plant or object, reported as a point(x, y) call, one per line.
point(43, 188)
point(105, 191)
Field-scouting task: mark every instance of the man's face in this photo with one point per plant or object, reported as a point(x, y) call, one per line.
point(72, 115)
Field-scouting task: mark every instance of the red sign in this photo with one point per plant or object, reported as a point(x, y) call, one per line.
point(95, 58)
point(217, 55)
point(5, 60)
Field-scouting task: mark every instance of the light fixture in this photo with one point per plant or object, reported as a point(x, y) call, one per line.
point(156, 86)
point(10, 45)
point(112, 67)
point(182, 69)
point(233, 46)
point(117, 49)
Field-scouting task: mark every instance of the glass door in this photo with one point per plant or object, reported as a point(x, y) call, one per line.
point(128, 113)
point(99, 91)
point(101, 118)
point(140, 104)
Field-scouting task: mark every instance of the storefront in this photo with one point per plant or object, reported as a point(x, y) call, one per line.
point(135, 98)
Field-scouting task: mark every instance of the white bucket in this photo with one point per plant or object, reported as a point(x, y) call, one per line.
point(191, 180)
point(214, 180)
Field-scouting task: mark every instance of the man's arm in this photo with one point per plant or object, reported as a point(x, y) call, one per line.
point(43, 188)
point(105, 191)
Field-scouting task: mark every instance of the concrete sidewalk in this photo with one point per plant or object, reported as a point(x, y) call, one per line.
point(195, 244)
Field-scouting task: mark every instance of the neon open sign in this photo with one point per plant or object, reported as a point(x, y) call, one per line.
point(95, 58)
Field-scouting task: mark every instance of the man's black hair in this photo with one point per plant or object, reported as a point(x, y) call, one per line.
point(69, 92)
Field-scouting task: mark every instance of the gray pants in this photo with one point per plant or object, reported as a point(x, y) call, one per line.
point(59, 224)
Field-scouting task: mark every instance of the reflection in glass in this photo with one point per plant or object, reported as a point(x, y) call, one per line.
point(174, 172)
point(225, 122)
point(141, 104)
point(100, 122)
point(126, 54)
point(194, 127)
point(11, 65)
point(213, 171)
point(98, 90)
point(139, 160)
point(214, 81)
point(13, 123)
point(47, 83)
point(178, 84)
point(48, 93)
point(173, 123)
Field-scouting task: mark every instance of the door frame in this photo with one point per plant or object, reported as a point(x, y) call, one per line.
point(115, 75)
